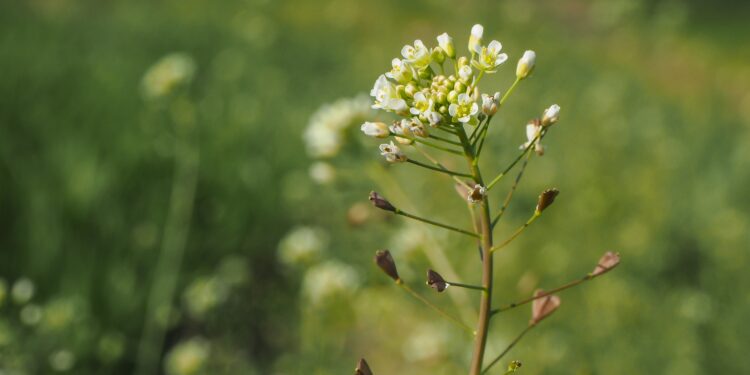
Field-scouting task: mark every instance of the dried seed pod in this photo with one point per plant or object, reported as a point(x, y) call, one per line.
point(543, 307)
point(385, 261)
point(380, 202)
point(435, 281)
point(362, 368)
point(546, 199)
point(607, 262)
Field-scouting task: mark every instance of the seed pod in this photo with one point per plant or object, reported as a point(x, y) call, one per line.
point(546, 199)
point(380, 202)
point(435, 281)
point(362, 368)
point(385, 261)
point(607, 262)
point(543, 307)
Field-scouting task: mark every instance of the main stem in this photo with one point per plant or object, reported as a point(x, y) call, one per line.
point(485, 227)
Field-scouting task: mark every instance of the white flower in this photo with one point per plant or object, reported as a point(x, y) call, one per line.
point(392, 153)
point(375, 129)
point(464, 110)
point(534, 134)
point(188, 357)
point(526, 64)
point(475, 40)
point(327, 127)
point(422, 104)
point(446, 43)
point(386, 96)
point(22, 290)
point(465, 74)
point(417, 55)
point(434, 118)
point(322, 172)
point(489, 103)
point(401, 71)
point(476, 194)
point(551, 115)
point(303, 245)
point(417, 128)
point(326, 280)
point(489, 57)
point(403, 128)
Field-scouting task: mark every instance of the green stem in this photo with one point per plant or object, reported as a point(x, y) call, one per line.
point(446, 140)
point(547, 293)
point(434, 307)
point(507, 93)
point(441, 166)
point(517, 232)
point(423, 165)
point(510, 193)
point(507, 349)
point(467, 286)
point(428, 221)
point(513, 164)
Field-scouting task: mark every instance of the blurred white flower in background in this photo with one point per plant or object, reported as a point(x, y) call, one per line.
point(324, 134)
point(322, 173)
point(62, 360)
point(329, 279)
point(188, 357)
point(203, 295)
point(22, 291)
point(170, 72)
point(427, 341)
point(302, 245)
point(31, 314)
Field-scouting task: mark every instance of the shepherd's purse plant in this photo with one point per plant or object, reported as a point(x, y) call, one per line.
point(436, 97)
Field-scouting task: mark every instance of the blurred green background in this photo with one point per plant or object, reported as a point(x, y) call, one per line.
point(188, 226)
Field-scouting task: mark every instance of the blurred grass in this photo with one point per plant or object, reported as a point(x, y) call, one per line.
point(650, 155)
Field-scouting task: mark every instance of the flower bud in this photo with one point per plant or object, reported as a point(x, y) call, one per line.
point(438, 55)
point(607, 262)
point(463, 61)
point(384, 260)
point(375, 129)
point(543, 307)
point(362, 368)
point(392, 153)
point(435, 281)
point(446, 43)
point(551, 115)
point(513, 366)
point(464, 75)
point(489, 103)
point(546, 199)
point(526, 64)
point(380, 202)
point(452, 96)
point(475, 39)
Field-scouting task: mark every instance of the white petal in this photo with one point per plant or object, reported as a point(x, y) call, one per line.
point(495, 46)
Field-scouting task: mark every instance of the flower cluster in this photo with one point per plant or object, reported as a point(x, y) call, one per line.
point(428, 94)
point(326, 131)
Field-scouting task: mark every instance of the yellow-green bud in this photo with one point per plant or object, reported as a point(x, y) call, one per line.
point(443, 109)
point(526, 64)
point(410, 90)
point(459, 86)
point(438, 55)
point(475, 40)
point(463, 61)
point(452, 96)
point(446, 43)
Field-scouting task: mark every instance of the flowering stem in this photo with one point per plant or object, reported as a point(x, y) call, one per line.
point(513, 164)
point(428, 221)
point(507, 93)
point(452, 173)
point(431, 305)
point(475, 132)
point(512, 190)
point(517, 232)
point(507, 349)
point(480, 340)
point(547, 293)
point(467, 286)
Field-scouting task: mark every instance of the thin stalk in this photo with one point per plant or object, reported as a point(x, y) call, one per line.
point(434, 307)
point(513, 164)
point(507, 349)
point(547, 293)
point(507, 93)
point(428, 221)
point(446, 140)
point(476, 131)
point(483, 323)
point(517, 232)
point(512, 190)
point(423, 165)
point(439, 165)
point(467, 286)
